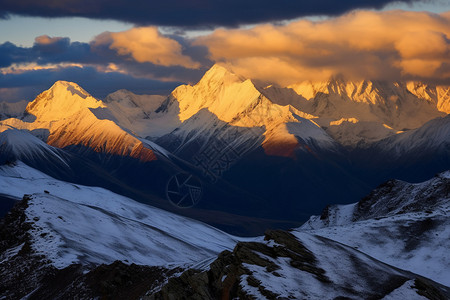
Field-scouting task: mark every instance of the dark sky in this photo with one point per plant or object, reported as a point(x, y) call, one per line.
point(188, 13)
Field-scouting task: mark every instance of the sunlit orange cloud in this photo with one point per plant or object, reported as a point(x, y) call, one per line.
point(147, 44)
point(46, 40)
point(362, 44)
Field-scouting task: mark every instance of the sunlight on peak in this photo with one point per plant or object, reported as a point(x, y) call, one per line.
point(61, 100)
point(349, 120)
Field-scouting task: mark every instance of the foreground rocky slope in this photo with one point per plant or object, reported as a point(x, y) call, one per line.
point(68, 241)
point(402, 224)
point(27, 273)
point(304, 266)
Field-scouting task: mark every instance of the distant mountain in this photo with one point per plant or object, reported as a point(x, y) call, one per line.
point(12, 109)
point(389, 103)
point(264, 155)
point(238, 103)
point(402, 224)
point(414, 155)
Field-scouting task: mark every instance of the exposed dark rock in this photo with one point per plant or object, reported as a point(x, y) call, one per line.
point(229, 274)
point(21, 269)
point(425, 288)
point(25, 273)
point(399, 197)
point(223, 278)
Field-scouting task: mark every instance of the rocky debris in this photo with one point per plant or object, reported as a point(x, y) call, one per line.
point(24, 273)
point(114, 281)
point(231, 275)
point(21, 269)
point(222, 280)
point(399, 197)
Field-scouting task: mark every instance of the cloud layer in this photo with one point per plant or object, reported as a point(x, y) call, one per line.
point(146, 44)
point(390, 45)
point(188, 13)
point(140, 59)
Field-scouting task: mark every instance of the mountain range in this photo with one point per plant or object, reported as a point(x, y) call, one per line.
point(264, 155)
point(167, 197)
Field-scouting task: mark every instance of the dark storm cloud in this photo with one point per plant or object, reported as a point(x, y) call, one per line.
point(10, 53)
point(55, 50)
point(187, 13)
point(99, 84)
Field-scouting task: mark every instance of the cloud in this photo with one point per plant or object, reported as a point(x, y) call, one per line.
point(10, 53)
point(188, 13)
point(146, 44)
point(388, 45)
point(26, 85)
point(52, 52)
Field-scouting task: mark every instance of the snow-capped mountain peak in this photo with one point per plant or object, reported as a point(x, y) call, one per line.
point(437, 95)
point(70, 116)
point(219, 74)
point(63, 99)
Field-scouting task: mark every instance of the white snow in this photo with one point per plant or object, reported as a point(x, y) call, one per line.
point(338, 215)
point(71, 116)
point(406, 291)
point(350, 273)
point(433, 135)
point(6, 255)
point(80, 224)
point(22, 144)
point(381, 108)
point(389, 240)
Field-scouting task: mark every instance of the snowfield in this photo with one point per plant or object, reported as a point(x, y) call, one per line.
point(402, 224)
point(91, 225)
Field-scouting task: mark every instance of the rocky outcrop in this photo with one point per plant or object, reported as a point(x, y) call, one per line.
point(399, 197)
point(21, 269)
point(25, 273)
point(283, 261)
point(223, 279)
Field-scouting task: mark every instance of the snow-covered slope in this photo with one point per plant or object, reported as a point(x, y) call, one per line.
point(299, 266)
point(405, 225)
point(433, 137)
point(354, 133)
point(21, 145)
point(73, 117)
point(89, 225)
point(239, 102)
point(388, 105)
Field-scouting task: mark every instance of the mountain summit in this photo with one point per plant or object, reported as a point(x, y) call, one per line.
point(62, 100)
point(66, 115)
point(248, 142)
